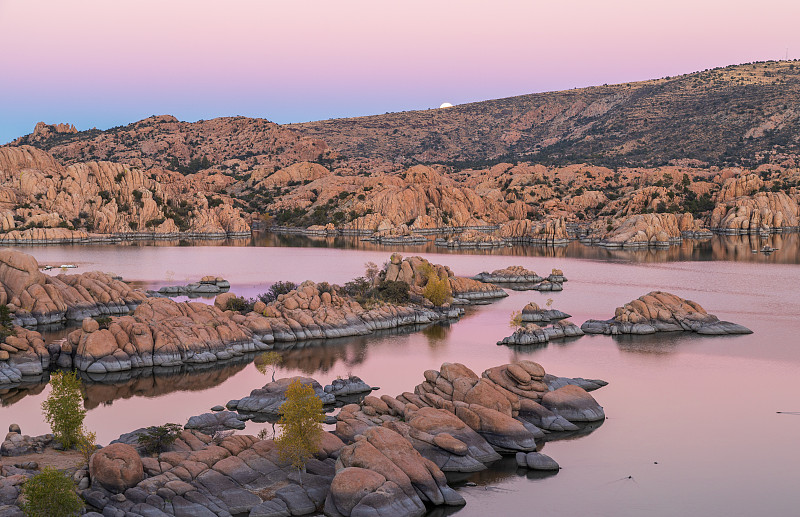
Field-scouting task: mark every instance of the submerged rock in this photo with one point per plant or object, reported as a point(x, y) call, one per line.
point(662, 312)
point(536, 461)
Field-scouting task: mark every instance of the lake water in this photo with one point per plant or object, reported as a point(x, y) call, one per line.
point(693, 426)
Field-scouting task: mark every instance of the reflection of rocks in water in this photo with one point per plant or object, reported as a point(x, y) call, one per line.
point(718, 247)
point(29, 385)
point(154, 381)
point(655, 344)
point(321, 355)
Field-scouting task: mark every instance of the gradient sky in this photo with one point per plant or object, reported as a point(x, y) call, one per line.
point(102, 63)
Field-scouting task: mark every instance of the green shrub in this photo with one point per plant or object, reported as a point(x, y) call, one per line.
point(6, 322)
point(392, 291)
point(50, 494)
point(63, 408)
point(103, 321)
point(275, 290)
point(156, 439)
point(239, 304)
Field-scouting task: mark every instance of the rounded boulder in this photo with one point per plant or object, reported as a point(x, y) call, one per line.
point(116, 468)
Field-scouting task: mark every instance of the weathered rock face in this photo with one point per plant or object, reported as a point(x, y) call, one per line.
point(643, 230)
point(550, 232)
point(23, 353)
point(46, 202)
point(457, 419)
point(359, 491)
point(35, 298)
point(389, 454)
point(473, 239)
point(310, 313)
point(760, 213)
point(235, 475)
point(116, 467)
point(662, 312)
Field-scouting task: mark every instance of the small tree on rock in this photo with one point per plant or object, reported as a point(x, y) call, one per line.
point(268, 361)
point(301, 425)
point(437, 290)
point(63, 408)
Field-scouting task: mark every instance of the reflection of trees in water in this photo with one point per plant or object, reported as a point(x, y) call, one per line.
point(436, 334)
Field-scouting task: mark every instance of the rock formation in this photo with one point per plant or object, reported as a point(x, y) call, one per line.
point(207, 286)
point(415, 270)
point(662, 312)
point(35, 298)
point(532, 313)
point(511, 274)
point(532, 334)
point(643, 230)
point(43, 201)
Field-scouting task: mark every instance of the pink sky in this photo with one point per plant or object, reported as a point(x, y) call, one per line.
point(101, 63)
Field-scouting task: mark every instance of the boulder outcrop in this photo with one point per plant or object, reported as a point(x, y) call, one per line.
point(763, 212)
point(532, 334)
point(662, 312)
point(415, 272)
point(35, 298)
point(644, 230)
point(532, 313)
point(510, 274)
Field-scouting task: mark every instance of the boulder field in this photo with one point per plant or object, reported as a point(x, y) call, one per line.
point(662, 312)
point(386, 458)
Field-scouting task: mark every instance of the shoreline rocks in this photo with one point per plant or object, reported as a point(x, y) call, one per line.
point(511, 274)
point(532, 334)
point(662, 312)
point(38, 299)
point(415, 270)
point(208, 286)
point(532, 313)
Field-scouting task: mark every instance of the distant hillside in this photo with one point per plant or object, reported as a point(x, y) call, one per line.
point(726, 116)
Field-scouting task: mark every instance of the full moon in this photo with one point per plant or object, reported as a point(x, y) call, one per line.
point(446, 105)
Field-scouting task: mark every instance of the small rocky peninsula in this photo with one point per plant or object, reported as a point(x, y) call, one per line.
point(387, 456)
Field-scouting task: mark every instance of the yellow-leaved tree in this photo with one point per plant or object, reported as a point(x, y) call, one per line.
point(268, 361)
point(437, 290)
point(301, 425)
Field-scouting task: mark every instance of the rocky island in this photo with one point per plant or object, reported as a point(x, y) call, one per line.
point(662, 312)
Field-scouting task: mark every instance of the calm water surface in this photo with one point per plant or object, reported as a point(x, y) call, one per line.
point(692, 424)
